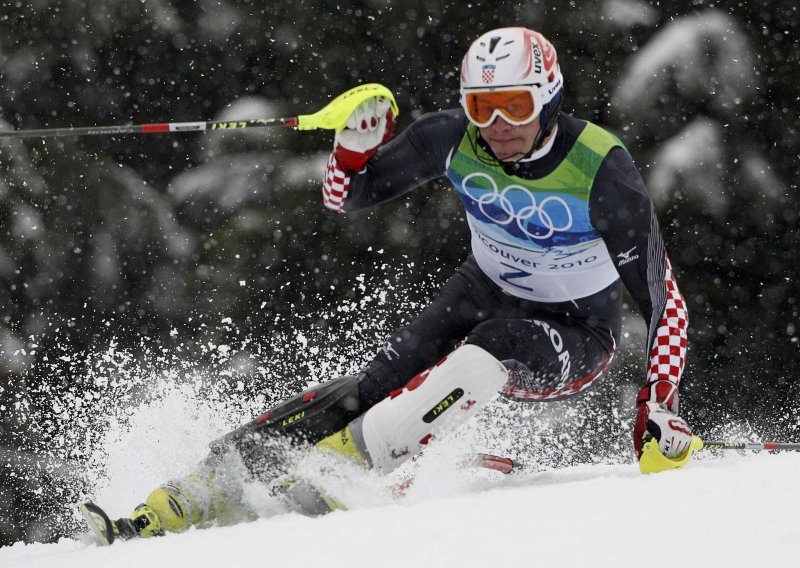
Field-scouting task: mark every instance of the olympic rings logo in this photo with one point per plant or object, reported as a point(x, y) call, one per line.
point(544, 211)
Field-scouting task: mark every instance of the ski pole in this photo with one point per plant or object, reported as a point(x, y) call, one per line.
point(331, 117)
point(652, 460)
point(754, 446)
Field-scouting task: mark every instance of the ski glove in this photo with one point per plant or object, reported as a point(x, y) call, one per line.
point(657, 417)
point(672, 432)
point(370, 125)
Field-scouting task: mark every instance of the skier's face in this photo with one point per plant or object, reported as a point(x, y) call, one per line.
point(510, 142)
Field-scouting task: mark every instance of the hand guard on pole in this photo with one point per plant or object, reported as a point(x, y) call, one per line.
point(368, 126)
point(672, 432)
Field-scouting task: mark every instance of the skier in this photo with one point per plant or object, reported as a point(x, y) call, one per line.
point(560, 222)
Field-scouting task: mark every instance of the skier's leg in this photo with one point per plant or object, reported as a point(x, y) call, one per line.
point(260, 449)
point(323, 412)
point(466, 299)
point(547, 358)
point(543, 358)
point(433, 403)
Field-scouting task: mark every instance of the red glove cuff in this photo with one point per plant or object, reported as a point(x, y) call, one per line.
point(642, 412)
point(658, 394)
point(353, 161)
point(663, 392)
point(350, 160)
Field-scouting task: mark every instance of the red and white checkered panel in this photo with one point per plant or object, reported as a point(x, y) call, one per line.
point(335, 186)
point(668, 352)
point(662, 394)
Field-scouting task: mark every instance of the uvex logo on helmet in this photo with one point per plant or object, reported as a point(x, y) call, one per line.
point(545, 50)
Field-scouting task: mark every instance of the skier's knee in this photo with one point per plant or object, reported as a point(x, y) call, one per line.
point(454, 390)
point(491, 336)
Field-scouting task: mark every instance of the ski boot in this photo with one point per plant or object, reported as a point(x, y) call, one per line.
point(142, 523)
point(172, 508)
point(166, 510)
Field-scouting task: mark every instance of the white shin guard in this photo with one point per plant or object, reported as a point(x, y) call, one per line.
point(399, 427)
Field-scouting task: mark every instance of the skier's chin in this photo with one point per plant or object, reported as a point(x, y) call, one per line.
point(515, 157)
point(507, 151)
point(509, 156)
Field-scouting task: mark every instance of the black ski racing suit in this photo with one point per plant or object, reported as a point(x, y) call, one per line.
point(554, 349)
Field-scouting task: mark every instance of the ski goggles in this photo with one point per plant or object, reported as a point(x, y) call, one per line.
point(517, 105)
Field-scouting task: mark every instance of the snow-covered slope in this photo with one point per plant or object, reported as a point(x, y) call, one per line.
point(729, 511)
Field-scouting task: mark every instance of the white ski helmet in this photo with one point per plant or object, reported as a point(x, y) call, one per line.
point(512, 59)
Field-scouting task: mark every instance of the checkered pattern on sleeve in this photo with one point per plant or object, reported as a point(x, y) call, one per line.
point(668, 352)
point(335, 186)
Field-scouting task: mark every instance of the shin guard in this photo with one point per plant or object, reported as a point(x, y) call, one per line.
point(435, 402)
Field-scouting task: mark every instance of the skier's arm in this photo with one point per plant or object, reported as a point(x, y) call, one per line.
point(416, 156)
point(623, 213)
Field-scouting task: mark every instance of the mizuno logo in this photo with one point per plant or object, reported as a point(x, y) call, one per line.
point(390, 352)
point(625, 257)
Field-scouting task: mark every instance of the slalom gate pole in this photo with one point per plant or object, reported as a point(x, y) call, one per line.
point(331, 117)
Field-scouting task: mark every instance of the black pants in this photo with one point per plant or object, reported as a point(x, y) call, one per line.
point(552, 350)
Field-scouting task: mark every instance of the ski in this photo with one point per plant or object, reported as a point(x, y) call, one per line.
point(102, 526)
point(303, 497)
point(502, 464)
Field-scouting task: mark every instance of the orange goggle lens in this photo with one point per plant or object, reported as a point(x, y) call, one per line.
point(516, 105)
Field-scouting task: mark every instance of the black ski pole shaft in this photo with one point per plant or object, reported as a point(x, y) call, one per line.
point(150, 128)
point(754, 446)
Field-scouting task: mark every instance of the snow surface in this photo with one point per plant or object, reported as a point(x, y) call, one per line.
point(730, 511)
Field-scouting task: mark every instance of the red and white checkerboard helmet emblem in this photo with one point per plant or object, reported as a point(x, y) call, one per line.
point(488, 73)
